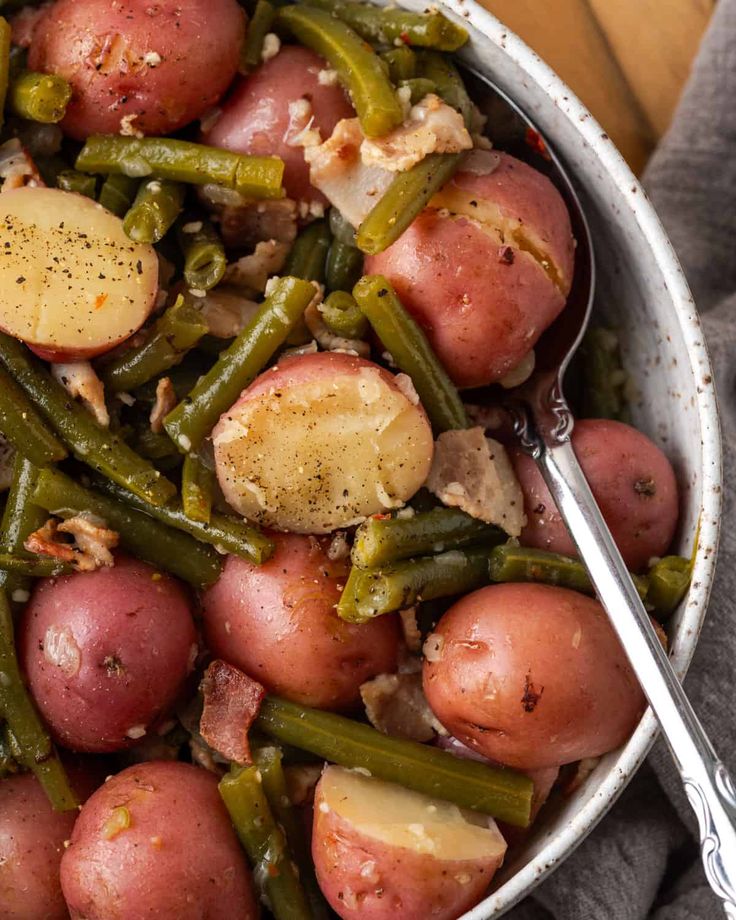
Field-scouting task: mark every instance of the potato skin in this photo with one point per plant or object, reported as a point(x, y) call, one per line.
point(277, 622)
point(165, 63)
point(632, 481)
point(255, 117)
point(106, 652)
point(178, 856)
point(532, 676)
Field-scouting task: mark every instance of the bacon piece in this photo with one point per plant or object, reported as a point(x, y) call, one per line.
point(91, 546)
point(81, 382)
point(17, 169)
point(231, 703)
point(165, 402)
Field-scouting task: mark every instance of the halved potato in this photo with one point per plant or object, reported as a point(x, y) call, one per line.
point(72, 285)
point(382, 851)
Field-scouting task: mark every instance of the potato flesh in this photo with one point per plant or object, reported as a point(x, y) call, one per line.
point(70, 279)
point(402, 818)
point(323, 454)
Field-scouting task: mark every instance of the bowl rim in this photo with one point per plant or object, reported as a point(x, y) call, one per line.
point(683, 309)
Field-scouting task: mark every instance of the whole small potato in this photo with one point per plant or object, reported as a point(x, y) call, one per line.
point(343, 437)
point(486, 268)
point(277, 622)
point(531, 676)
point(632, 481)
point(106, 653)
point(382, 851)
point(32, 839)
point(156, 841)
point(135, 65)
point(255, 118)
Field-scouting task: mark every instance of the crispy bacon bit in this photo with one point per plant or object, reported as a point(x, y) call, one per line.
point(395, 704)
point(410, 629)
point(244, 222)
point(81, 382)
point(250, 273)
point(17, 169)
point(231, 704)
point(165, 402)
point(90, 548)
point(226, 311)
point(300, 782)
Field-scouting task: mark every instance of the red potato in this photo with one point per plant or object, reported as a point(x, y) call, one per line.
point(632, 481)
point(137, 66)
point(73, 285)
point(344, 439)
point(382, 851)
point(107, 652)
point(255, 118)
point(156, 841)
point(486, 268)
point(531, 676)
point(277, 622)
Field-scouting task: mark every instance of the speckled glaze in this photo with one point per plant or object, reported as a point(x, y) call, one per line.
point(642, 290)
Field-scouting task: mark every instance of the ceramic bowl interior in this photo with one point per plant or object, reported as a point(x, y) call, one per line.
point(641, 291)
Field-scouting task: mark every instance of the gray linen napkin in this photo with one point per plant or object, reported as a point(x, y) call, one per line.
point(642, 860)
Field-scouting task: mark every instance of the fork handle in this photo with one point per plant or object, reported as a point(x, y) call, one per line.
point(707, 782)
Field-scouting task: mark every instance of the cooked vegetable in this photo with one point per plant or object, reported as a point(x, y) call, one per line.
point(90, 443)
point(401, 63)
point(21, 424)
point(343, 316)
point(669, 578)
point(344, 266)
point(20, 519)
point(491, 790)
point(259, 25)
point(197, 486)
point(307, 256)
point(265, 843)
point(604, 379)
point(419, 87)
point(341, 229)
point(39, 96)
point(156, 206)
point(411, 352)
point(358, 68)
point(117, 193)
point(182, 161)
point(33, 568)
point(193, 419)
point(204, 255)
point(69, 180)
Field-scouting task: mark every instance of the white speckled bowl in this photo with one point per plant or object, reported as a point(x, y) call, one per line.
point(642, 289)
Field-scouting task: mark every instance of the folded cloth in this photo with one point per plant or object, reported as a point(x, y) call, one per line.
point(643, 861)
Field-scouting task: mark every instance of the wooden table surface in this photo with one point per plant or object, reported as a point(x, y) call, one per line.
point(626, 59)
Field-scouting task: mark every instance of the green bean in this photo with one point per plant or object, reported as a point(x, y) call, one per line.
point(182, 161)
point(401, 63)
point(5, 43)
point(382, 540)
point(419, 88)
point(193, 419)
point(81, 433)
point(140, 535)
point(369, 593)
point(21, 424)
point(519, 563)
point(604, 380)
point(69, 180)
point(358, 67)
point(173, 334)
point(8, 764)
point(340, 228)
point(20, 519)
point(388, 25)
point(33, 747)
point(307, 256)
point(197, 486)
point(156, 206)
point(227, 533)
point(669, 578)
point(343, 316)
point(38, 567)
point(447, 82)
point(259, 25)
point(411, 351)
point(495, 791)
point(344, 266)
point(204, 255)
point(265, 843)
point(118, 193)
point(39, 97)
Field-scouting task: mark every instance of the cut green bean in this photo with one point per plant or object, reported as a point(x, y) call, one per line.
point(173, 334)
point(117, 194)
point(39, 97)
point(401, 63)
point(156, 206)
point(447, 82)
point(90, 443)
point(386, 26)
point(8, 764)
point(383, 540)
point(358, 67)
point(197, 487)
point(38, 567)
point(140, 534)
point(259, 25)
point(369, 593)
point(204, 254)
point(33, 747)
point(70, 180)
point(265, 844)
point(307, 257)
point(419, 87)
point(495, 791)
point(411, 352)
point(5, 43)
point(228, 534)
point(20, 519)
point(669, 578)
point(195, 416)
point(604, 379)
point(182, 161)
point(343, 316)
point(344, 266)
point(21, 424)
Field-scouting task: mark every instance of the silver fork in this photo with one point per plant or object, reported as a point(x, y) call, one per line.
point(543, 423)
